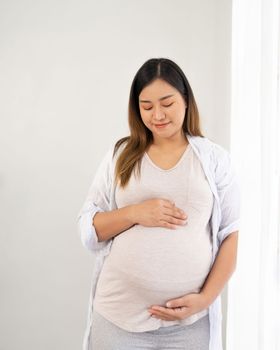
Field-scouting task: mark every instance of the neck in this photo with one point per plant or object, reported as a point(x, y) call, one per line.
point(170, 143)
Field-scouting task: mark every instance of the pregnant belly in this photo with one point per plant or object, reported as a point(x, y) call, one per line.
point(151, 265)
point(162, 255)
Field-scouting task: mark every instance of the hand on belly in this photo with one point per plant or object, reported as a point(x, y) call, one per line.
point(159, 212)
point(180, 308)
point(116, 287)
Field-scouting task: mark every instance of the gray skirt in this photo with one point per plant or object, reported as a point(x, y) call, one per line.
point(107, 336)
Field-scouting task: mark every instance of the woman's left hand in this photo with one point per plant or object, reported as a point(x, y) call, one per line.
point(180, 308)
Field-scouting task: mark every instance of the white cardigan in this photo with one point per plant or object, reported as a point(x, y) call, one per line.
point(225, 218)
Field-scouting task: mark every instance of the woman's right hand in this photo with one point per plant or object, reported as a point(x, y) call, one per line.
point(158, 212)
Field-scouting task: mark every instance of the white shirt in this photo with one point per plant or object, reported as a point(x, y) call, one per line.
point(225, 219)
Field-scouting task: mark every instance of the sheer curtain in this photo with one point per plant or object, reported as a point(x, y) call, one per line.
point(254, 289)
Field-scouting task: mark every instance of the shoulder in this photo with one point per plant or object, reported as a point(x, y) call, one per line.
point(206, 146)
point(115, 148)
point(216, 157)
point(112, 153)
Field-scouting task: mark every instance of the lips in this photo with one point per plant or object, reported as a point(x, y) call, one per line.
point(161, 124)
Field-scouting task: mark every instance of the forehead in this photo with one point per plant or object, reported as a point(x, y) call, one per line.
point(157, 90)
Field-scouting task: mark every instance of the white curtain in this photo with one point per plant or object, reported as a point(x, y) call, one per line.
point(253, 318)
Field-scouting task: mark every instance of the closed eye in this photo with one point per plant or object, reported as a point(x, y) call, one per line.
point(147, 109)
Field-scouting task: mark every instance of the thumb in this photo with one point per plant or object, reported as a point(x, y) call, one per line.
point(175, 302)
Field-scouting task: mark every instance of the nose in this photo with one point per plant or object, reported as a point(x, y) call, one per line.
point(158, 114)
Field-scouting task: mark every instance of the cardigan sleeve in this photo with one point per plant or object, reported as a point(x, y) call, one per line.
point(97, 200)
point(228, 188)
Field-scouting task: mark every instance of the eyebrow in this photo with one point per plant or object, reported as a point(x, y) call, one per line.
point(160, 99)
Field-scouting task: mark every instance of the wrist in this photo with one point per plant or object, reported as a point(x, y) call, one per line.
point(131, 213)
point(207, 299)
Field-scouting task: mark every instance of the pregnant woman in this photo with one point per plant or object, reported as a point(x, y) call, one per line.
point(162, 218)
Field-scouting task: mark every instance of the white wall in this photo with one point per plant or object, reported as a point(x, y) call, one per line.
point(66, 68)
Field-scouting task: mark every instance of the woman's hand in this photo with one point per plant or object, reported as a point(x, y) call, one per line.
point(180, 308)
point(158, 212)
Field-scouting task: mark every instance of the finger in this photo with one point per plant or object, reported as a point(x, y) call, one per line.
point(163, 311)
point(178, 302)
point(174, 210)
point(166, 224)
point(177, 213)
point(168, 203)
point(162, 317)
point(171, 220)
point(166, 318)
point(174, 313)
point(158, 314)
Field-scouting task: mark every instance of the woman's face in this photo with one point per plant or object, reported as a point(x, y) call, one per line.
point(161, 103)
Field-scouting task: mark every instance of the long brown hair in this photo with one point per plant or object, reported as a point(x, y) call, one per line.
point(140, 136)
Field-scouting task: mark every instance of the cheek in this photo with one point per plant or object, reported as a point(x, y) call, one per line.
point(145, 116)
point(181, 113)
point(145, 119)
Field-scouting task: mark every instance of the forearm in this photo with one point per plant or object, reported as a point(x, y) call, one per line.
point(111, 223)
point(222, 269)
